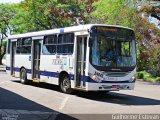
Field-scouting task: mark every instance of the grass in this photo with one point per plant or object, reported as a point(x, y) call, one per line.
point(147, 77)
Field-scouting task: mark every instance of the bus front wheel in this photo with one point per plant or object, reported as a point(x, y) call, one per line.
point(65, 84)
point(23, 76)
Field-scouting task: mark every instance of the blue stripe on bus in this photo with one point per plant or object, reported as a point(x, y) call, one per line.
point(56, 75)
point(7, 68)
point(50, 74)
point(28, 71)
point(16, 69)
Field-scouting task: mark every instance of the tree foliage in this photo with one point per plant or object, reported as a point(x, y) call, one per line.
point(120, 13)
point(35, 15)
point(6, 16)
point(48, 14)
point(114, 12)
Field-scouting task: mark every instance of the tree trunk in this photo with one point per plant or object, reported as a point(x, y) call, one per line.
point(1, 50)
point(0, 56)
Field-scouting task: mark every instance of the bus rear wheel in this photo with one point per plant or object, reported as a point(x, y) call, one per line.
point(65, 84)
point(23, 76)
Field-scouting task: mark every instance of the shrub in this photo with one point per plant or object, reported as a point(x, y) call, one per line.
point(140, 75)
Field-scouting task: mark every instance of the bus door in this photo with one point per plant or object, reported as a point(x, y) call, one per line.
point(81, 61)
point(13, 51)
point(36, 59)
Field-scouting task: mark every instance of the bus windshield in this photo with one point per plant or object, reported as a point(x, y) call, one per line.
point(113, 48)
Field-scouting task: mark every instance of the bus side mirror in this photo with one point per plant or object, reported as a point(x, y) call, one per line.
point(90, 42)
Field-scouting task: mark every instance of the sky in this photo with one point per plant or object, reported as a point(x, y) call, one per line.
point(10, 1)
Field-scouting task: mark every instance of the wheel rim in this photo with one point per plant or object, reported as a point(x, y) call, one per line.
point(22, 76)
point(66, 84)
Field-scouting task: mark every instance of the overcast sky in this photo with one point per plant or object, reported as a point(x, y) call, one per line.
point(10, 1)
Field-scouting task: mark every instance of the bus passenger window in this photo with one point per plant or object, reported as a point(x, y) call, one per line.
point(49, 44)
point(24, 46)
point(65, 43)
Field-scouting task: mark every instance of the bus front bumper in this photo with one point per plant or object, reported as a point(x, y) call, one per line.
point(109, 86)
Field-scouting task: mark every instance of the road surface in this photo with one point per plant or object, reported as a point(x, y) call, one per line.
point(145, 99)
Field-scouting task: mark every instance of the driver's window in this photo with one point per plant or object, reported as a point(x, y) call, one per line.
point(125, 49)
point(104, 46)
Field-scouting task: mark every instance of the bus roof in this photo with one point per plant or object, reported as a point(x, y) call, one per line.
point(61, 30)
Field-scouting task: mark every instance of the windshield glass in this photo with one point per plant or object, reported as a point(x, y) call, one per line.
point(113, 49)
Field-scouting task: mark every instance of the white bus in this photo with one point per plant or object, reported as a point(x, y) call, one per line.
point(91, 57)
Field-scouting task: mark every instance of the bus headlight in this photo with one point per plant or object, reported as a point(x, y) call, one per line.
point(94, 77)
point(97, 79)
point(132, 79)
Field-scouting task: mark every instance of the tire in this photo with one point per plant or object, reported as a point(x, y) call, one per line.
point(65, 84)
point(23, 76)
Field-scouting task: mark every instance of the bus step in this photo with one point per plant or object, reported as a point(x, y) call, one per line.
point(80, 88)
point(13, 75)
point(36, 80)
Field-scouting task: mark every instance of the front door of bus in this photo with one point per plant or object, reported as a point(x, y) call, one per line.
point(81, 60)
point(13, 51)
point(36, 59)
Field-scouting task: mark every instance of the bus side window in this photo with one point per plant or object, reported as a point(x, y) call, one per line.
point(65, 43)
point(18, 49)
point(24, 46)
point(49, 44)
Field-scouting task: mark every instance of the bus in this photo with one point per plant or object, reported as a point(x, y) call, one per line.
point(91, 57)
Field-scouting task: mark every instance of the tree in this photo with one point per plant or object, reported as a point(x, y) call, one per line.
point(114, 12)
point(35, 15)
point(6, 15)
point(148, 35)
point(49, 14)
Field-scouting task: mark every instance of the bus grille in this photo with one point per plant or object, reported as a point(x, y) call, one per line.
point(116, 74)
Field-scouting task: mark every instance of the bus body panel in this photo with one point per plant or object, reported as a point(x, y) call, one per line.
point(19, 63)
point(52, 65)
point(8, 63)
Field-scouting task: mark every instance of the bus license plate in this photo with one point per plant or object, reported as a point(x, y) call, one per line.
point(116, 86)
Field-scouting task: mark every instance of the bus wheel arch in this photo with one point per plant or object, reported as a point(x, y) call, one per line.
point(65, 82)
point(23, 75)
